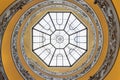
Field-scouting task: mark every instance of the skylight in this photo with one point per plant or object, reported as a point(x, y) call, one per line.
point(59, 39)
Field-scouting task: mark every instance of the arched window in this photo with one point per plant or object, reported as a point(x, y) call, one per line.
point(59, 60)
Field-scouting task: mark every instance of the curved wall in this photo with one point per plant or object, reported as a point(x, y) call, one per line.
point(113, 73)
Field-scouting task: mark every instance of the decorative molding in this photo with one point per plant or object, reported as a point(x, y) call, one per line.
point(113, 25)
point(4, 20)
point(114, 38)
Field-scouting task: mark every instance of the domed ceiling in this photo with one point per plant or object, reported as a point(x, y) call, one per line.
point(59, 39)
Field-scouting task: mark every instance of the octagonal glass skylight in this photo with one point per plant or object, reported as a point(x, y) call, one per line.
point(59, 39)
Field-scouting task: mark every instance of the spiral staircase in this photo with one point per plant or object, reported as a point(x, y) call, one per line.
point(59, 40)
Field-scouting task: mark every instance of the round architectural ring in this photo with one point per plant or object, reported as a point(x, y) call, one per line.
point(71, 50)
point(113, 37)
point(74, 38)
point(65, 73)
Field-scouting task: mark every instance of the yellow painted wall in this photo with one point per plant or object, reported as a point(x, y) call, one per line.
point(115, 72)
point(4, 4)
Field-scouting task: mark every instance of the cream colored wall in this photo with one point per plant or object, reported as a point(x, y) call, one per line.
point(114, 73)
